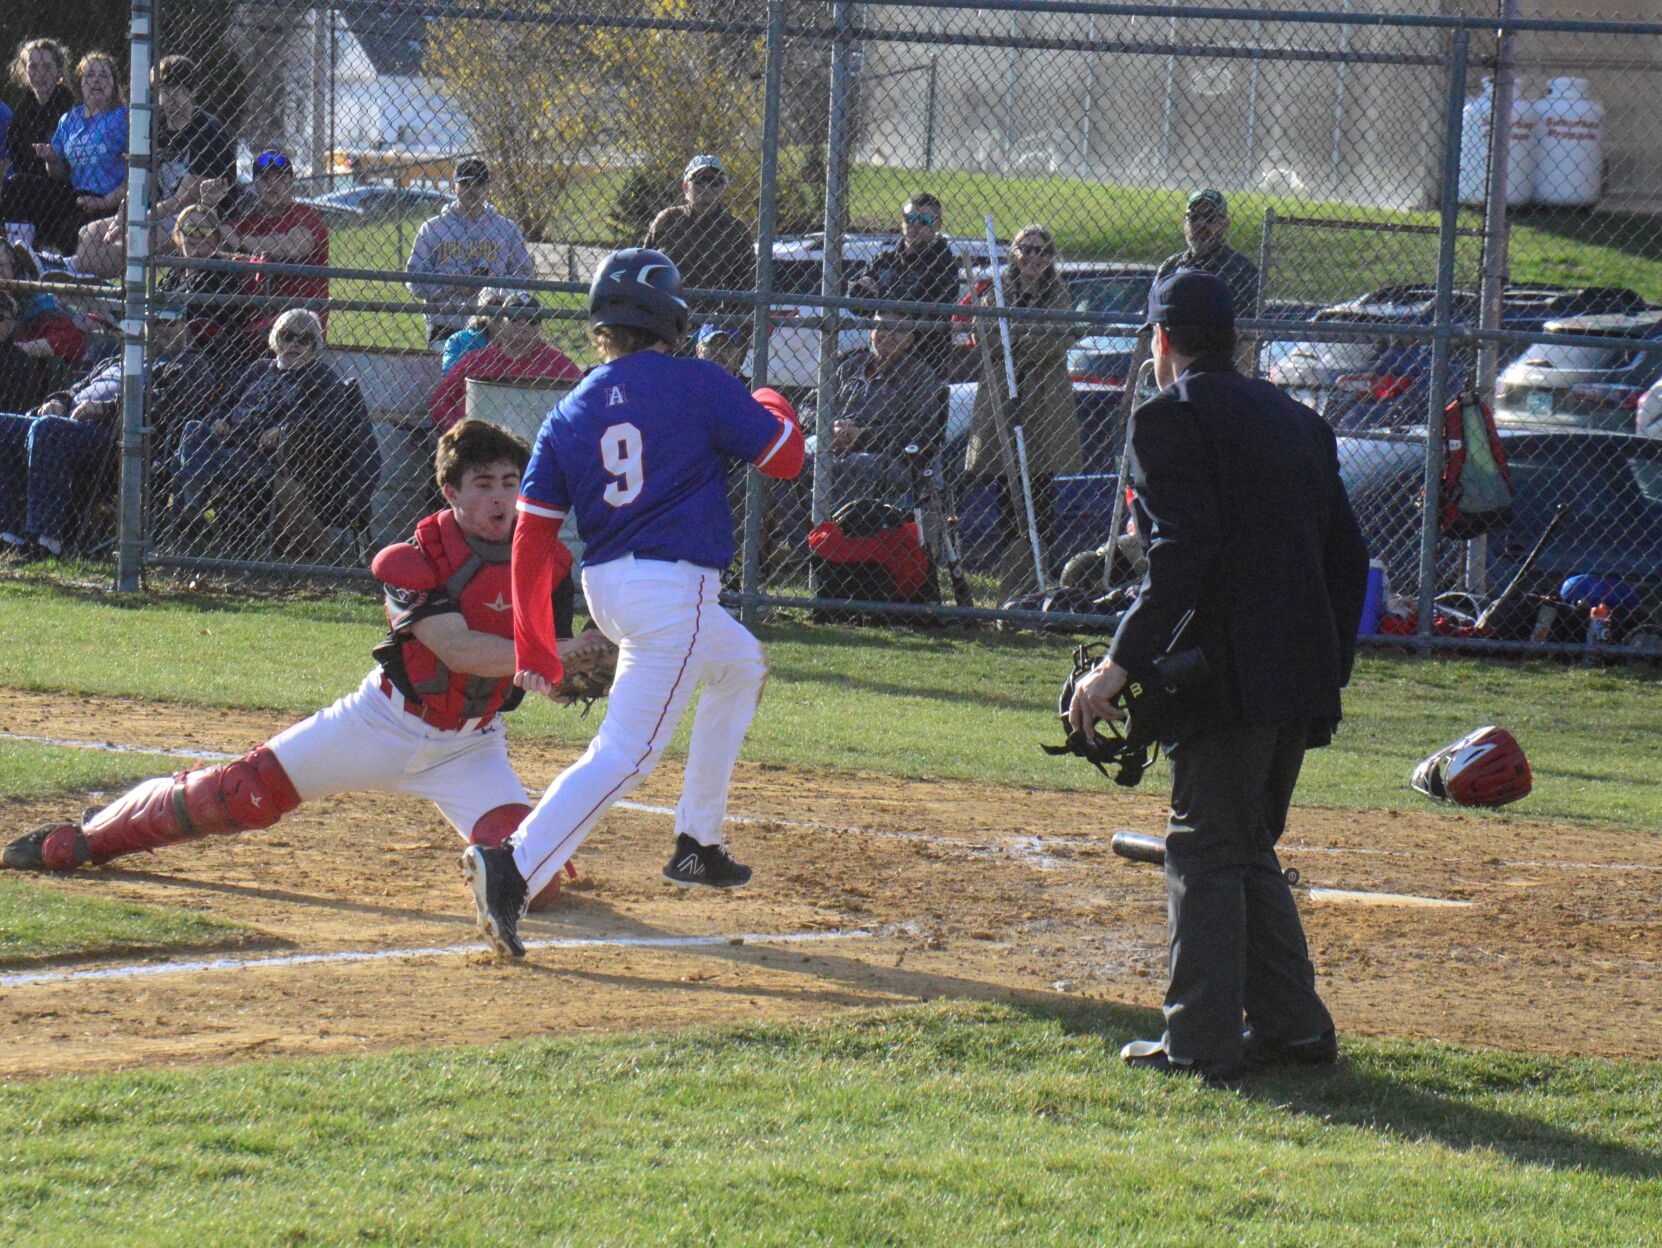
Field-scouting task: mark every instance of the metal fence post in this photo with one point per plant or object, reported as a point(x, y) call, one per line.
point(130, 536)
point(831, 263)
point(1443, 326)
point(755, 486)
point(1496, 238)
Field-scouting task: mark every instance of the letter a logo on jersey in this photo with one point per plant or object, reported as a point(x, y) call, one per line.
point(614, 396)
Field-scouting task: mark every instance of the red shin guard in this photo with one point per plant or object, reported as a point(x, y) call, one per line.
point(496, 826)
point(252, 792)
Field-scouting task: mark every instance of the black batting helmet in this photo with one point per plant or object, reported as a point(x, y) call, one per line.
point(640, 287)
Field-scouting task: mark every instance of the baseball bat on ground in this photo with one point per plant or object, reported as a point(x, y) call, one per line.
point(1515, 586)
point(1140, 847)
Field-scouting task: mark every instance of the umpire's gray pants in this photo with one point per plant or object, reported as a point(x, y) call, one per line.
point(1237, 947)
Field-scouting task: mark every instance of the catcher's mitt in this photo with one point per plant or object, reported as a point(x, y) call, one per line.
point(590, 663)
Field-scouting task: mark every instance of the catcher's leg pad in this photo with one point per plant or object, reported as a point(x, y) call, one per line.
point(250, 792)
point(497, 825)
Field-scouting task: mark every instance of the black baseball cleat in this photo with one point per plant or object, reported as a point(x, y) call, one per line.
point(1152, 1055)
point(1322, 1050)
point(499, 895)
point(32, 852)
point(693, 865)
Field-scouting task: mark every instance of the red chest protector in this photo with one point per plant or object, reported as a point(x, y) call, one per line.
point(474, 575)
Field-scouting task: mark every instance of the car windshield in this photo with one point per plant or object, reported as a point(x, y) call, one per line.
point(1563, 358)
point(796, 277)
point(1346, 357)
point(1125, 294)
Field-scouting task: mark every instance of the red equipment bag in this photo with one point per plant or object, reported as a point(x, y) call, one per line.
point(1476, 493)
point(871, 552)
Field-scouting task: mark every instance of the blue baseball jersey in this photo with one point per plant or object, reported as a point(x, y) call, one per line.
point(640, 452)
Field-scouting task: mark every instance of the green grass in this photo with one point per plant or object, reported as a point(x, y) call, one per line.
point(952, 1125)
point(899, 703)
point(32, 769)
point(37, 922)
point(1568, 247)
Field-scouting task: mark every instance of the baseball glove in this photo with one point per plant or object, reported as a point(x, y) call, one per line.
point(590, 662)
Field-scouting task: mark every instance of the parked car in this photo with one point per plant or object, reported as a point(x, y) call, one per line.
point(1556, 384)
point(1612, 483)
point(1383, 383)
point(1647, 419)
point(379, 201)
point(793, 347)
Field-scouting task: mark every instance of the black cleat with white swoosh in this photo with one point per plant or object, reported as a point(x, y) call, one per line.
point(709, 866)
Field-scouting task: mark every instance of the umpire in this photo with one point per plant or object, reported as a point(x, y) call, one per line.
point(1254, 556)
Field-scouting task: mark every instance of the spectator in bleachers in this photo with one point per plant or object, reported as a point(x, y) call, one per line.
point(192, 147)
point(23, 375)
point(475, 334)
point(516, 350)
point(291, 450)
point(469, 238)
point(221, 329)
point(39, 68)
point(920, 267)
point(85, 160)
point(888, 398)
point(711, 247)
point(275, 229)
point(725, 343)
point(1206, 230)
point(1043, 405)
point(44, 329)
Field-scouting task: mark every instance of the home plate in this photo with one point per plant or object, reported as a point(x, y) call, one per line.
point(1382, 899)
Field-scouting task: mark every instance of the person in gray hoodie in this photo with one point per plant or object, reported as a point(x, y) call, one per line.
point(468, 238)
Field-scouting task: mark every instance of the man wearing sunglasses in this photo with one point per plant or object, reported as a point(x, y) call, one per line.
point(920, 267)
point(712, 249)
point(278, 230)
point(1206, 230)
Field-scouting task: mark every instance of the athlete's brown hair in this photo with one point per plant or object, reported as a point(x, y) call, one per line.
point(476, 444)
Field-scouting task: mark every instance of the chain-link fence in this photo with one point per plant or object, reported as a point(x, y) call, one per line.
point(364, 222)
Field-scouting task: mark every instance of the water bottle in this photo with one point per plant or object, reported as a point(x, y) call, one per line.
point(1598, 630)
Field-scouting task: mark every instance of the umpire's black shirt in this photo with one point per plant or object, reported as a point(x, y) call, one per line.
point(1247, 524)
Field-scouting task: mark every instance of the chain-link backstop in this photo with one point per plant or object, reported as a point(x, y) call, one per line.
point(932, 225)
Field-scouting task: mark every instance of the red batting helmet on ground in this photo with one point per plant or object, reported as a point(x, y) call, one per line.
point(1482, 768)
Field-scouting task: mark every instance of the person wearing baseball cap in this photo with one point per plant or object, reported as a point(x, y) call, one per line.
point(712, 249)
point(1255, 561)
point(468, 238)
point(726, 343)
point(1206, 230)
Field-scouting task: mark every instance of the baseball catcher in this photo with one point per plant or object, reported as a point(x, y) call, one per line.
point(426, 721)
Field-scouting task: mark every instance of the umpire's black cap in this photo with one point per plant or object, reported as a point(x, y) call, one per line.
point(1191, 299)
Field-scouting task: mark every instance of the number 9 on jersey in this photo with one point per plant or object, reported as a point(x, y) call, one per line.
point(620, 452)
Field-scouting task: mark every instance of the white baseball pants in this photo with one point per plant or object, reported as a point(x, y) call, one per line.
point(672, 635)
point(367, 742)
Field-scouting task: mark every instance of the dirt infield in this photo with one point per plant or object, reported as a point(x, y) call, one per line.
point(963, 890)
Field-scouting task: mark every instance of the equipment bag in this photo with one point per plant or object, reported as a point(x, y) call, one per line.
point(870, 551)
point(1476, 493)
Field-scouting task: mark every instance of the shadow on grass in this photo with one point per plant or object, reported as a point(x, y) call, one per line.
point(1358, 1093)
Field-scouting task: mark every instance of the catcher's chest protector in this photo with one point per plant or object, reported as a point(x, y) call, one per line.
point(475, 576)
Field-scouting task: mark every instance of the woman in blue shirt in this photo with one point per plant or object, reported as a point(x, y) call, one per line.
point(87, 157)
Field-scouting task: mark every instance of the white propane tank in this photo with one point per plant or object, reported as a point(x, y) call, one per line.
point(1474, 146)
point(1569, 149)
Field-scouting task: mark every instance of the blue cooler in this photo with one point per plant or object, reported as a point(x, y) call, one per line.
point(1373, 601)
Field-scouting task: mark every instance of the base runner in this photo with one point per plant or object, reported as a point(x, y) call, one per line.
point(425, 722)
point(640, 451)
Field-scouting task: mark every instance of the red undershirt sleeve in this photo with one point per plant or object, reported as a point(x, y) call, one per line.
point(783, 457)
point(540, 562)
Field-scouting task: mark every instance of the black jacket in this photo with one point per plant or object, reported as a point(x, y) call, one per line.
point(927, 275)
point(1248, 525)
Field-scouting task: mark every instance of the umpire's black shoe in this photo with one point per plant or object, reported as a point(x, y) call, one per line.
point(711, 866)
point(1322, 1050)
point(499, 895)
point(1152, 1055)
